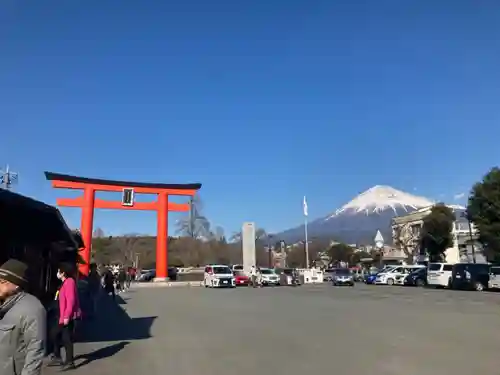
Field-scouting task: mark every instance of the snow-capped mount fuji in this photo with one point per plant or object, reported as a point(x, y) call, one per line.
point(359, 220)
point(380, 198)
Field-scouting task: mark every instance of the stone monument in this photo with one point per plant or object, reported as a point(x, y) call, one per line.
point(248, 246)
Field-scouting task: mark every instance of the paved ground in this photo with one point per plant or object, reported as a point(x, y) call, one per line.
point(372, 330)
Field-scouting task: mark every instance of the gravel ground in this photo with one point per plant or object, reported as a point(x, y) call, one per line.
point(342, 330)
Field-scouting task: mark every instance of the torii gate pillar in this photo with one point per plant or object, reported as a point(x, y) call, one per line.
point(88, 202)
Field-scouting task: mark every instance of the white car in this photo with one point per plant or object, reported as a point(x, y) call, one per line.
point(218, 276)
point(269, 277)
point(395, 275)
point(439, 274)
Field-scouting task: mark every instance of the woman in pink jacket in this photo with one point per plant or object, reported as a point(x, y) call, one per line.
point(69, 311)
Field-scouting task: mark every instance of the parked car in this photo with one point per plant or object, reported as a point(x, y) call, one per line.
point(494, 279)
point(470, 276)
point(358, 274)
point(269, 277)
point(343, 276)
point(372, 274)
point(241, 279)
point(328, 274)
point(390, 276)
point(287, 277)
point(146, 275)
point(439, 274)
point(416, 278)
point(218, 276)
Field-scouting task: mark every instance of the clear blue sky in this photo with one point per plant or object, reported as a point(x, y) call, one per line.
point(261, 101)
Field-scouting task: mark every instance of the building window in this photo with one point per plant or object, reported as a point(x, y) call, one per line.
point(416, 229)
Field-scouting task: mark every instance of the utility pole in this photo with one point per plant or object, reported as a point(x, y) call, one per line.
point(8, 178)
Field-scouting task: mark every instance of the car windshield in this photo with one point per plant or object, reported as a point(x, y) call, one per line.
point(386, 270)
point(239, 273)
point(224, 270)
point(343, 272)
point(266, 272)
point(238, 268)
point(435, 267)
point(288, 271)
point(418, 271)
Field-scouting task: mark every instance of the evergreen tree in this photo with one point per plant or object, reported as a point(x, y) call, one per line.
point(484, 211)
point(436, 235)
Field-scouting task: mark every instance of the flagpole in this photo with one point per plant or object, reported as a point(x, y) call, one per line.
point(307, 242)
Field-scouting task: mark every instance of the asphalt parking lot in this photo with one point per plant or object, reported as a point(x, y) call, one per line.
point(319, 328)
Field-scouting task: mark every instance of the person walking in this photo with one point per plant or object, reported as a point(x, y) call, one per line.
point(129, 278)
point(23, 323)
point(122, 277)
point(69, 311)
point(109, 283)
point(253, 276)
point(259, 277)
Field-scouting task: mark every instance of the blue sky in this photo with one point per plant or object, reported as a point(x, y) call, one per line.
point(261, 101)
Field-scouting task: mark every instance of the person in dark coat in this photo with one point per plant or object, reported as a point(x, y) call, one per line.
point(109, 286)
point(122, 278)
point(94, 282)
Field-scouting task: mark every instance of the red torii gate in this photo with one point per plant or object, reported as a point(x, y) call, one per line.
point(87, 202)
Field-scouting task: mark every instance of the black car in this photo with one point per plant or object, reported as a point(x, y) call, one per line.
point(416, 278)
point(470, 276)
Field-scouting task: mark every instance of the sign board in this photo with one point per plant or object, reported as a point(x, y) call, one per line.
point(128, 197)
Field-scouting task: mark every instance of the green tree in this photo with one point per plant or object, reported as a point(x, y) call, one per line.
point(340, 252)
point(436, 235)
point(358, 255)
point(484, 211)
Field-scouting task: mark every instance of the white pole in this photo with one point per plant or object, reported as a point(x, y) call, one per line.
point(307, 242)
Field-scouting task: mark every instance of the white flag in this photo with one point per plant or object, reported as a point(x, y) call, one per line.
point(305, 206)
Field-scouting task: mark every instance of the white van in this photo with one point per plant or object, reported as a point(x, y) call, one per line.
point(439, 274)
point(494, 282)
point(396, 274)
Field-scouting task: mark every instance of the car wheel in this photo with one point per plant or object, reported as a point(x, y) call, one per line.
point(390, 282)
point(478, 287)
point(420, 282)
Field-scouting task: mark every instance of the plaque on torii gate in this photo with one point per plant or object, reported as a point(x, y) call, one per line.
point(88, 202)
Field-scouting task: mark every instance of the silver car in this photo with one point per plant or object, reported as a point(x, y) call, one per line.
point(343, 276)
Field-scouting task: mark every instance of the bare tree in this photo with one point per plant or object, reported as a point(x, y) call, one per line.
point(406, 239)
point(260, 234)
point(195, 224)
point(218, 234)
point(127, 246)
point(98, 233)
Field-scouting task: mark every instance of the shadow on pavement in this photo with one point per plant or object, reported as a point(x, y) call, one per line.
point(112, 323)
point(105, 352)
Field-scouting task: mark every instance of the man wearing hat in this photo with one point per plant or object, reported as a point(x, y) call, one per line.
point(22, 323)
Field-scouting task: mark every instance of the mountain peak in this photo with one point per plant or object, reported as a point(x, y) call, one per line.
point(381, 197)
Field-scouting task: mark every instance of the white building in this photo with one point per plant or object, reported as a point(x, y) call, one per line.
point(406, 236)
